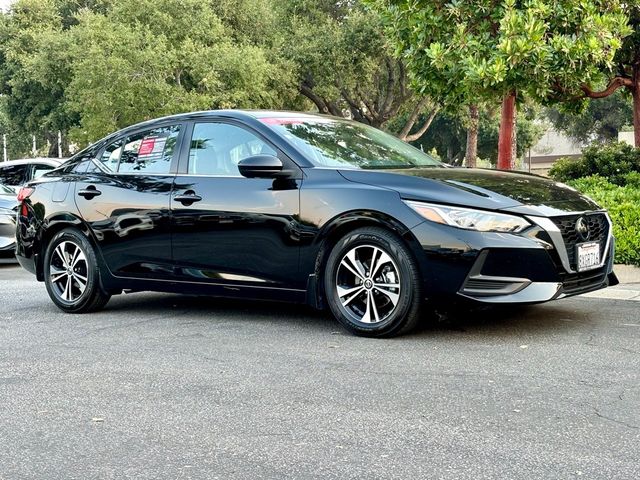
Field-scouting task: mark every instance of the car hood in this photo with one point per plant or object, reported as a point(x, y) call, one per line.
point(487, 189)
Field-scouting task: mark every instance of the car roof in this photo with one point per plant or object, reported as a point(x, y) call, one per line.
point(54, 162)
point(234, 114)
point(237, 114)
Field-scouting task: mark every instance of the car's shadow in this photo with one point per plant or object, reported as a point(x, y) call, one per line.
point(504, 320)
point(486, 321)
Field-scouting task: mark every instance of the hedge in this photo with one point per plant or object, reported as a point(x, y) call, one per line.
point(613, 161)
point(623, 204)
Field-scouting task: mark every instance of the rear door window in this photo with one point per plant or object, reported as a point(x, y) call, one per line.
point(13, 174)
point(150, 151)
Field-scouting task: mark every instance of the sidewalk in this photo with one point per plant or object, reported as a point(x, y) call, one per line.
point(629, 288)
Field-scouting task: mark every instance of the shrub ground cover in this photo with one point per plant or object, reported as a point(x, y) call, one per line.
point(623, 204)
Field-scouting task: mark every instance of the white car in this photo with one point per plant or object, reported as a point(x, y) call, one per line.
point(8, 207)
point(16, 173)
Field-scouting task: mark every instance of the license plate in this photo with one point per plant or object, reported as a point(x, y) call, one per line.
point(588, 256)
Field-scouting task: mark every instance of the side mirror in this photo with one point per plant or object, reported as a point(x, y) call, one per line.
point(260, 166)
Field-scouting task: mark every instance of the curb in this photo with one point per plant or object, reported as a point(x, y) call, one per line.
point(627, 273)
point(628, 289)
point(619, 292)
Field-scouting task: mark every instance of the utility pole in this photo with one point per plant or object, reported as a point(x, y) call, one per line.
point(4, 147)
point(59, 144)
point(33, 147)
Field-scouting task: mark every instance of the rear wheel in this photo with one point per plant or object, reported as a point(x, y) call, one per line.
point(71, 273)
point(372, 283)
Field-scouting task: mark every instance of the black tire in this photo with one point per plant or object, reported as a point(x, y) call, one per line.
point(64, 281)
point(372, 312)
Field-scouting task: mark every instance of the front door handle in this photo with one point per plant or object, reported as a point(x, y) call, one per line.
point(187, 198)
point(89, 192)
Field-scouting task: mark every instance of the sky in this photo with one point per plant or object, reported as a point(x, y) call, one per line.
point(4, 4)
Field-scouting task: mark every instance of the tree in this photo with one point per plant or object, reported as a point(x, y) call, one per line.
point(147, 58)
point(461, 51)
point(32, 73)
point(625, 74)
point(92, 70)
point(18, 144)
point(345, 67)
point(602, 119)
point(471, 153)
point(449, 132)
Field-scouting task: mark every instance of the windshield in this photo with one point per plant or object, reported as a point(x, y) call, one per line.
point(346, 144)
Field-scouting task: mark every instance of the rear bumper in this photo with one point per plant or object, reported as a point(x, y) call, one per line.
point(7, 235)
point(28, 263)
point(8, 250)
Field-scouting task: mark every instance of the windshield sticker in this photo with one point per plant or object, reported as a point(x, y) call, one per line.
point(152, 146)
point(147, 146)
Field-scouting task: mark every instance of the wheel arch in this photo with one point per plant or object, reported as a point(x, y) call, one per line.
point(52, 226)
point(340, 226)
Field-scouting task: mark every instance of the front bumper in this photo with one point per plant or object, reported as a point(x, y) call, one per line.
point(492, 289)
point(498, 268)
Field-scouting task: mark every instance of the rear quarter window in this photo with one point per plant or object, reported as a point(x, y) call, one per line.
point(39, 169)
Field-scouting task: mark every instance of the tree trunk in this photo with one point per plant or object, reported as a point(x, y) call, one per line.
point(413, 117)
point(472, 137)
point(423, 129)
point(514, 141)
point(505, 137)
point(636, 113)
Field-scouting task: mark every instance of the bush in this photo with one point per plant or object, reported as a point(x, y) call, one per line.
point(613, 161)
point(623, 204)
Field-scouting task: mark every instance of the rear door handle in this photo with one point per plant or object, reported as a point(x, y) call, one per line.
point(89, 192)
point(187, 198)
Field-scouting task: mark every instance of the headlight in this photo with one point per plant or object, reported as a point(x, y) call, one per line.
point(469, 219)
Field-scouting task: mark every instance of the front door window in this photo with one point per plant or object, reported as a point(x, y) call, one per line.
point(216, 149)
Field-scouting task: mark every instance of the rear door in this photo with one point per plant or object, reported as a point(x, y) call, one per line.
point(236, 231)
point(124, 197)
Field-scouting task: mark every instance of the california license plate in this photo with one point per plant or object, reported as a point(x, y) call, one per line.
point(588, 256)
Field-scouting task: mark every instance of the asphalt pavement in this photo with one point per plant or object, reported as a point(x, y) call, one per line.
point(162, 386)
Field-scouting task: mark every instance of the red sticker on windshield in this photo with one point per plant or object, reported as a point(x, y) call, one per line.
point(146, 147)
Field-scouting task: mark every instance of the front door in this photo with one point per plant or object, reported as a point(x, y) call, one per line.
point(228, 229)
point(125, 198)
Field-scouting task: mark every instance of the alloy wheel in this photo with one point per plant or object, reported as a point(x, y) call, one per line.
point(368, 284)
point(68, 271)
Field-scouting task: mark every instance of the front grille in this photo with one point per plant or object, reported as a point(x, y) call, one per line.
point(598, 232)
point(575, 283)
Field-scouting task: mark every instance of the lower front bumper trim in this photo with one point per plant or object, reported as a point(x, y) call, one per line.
point(535, 292)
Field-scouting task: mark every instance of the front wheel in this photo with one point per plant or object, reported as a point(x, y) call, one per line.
point(71, 273)
point(372, 283)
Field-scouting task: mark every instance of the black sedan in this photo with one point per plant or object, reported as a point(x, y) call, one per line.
point(303, 208)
